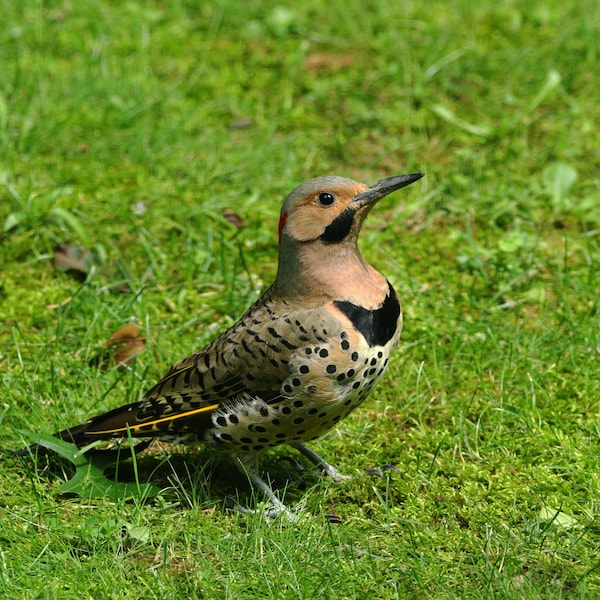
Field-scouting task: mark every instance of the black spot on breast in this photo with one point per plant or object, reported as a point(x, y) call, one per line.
point(377, 326)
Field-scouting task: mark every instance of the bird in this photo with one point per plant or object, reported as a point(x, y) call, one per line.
point(305, 355)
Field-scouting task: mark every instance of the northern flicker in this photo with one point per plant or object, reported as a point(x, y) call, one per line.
point(302, 357)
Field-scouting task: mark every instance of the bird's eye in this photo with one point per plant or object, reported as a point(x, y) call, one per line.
point(325, 199)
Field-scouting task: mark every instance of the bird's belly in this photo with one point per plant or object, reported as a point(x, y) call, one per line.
point(310, 408)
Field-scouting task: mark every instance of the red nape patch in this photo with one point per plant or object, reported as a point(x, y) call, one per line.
point(282, 222)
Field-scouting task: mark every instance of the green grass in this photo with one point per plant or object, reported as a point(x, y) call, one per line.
point(128, 128)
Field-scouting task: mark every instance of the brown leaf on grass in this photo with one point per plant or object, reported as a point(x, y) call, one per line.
point(318, 62)
point(233, 218)
point(120, 348)
point(72, 259)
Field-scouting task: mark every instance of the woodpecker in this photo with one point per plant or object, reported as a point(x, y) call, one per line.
point(302, 357)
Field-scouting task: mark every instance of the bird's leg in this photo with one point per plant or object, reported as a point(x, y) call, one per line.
point(326, 468)
point(249, 467)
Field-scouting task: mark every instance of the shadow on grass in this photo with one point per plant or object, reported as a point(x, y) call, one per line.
point(145, 471)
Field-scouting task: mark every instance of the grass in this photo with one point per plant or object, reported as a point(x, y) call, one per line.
point(132, 128)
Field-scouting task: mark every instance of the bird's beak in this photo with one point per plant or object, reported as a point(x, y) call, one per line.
point(382, 188)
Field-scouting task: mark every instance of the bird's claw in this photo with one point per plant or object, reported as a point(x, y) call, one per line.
point(379, 471)
point(296, 464)
point(271, 513)
point(325, 470)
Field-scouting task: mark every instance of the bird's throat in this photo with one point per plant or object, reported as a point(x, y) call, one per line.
point(329, 272)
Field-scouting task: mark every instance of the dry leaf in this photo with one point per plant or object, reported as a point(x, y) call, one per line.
point(72, 259)
point(233, 218)
point(120, 348)
point(322, 61)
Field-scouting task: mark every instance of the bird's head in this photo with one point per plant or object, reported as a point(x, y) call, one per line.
point(332, 209)
point(318, 231)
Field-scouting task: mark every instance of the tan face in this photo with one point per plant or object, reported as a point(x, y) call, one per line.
point(313, 207)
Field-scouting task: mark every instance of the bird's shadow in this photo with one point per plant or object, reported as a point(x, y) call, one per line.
point(192, 477)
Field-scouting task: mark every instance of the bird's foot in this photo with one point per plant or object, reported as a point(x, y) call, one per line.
point(275, 511)
point(247, 465)
point(379, 471)
point(325, 467)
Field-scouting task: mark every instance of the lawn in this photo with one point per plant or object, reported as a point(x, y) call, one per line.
point(145, 150)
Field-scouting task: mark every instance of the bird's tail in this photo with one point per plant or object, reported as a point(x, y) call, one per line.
point(109, 425)
point(134, 421)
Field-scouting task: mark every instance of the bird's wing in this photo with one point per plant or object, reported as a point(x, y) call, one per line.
point(252, 359)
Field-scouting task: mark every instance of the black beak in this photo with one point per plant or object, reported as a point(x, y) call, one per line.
point(382, 188)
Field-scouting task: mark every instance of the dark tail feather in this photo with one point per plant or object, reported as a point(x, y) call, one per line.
point(96, 428)
point(131, 420)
